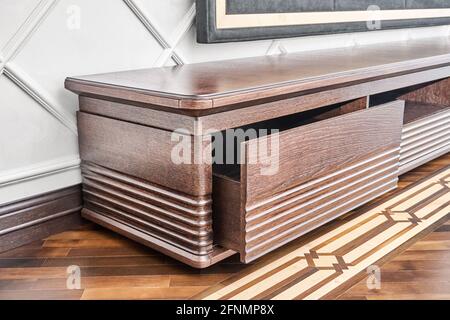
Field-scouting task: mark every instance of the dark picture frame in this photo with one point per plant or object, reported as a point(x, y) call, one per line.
point(244, 20)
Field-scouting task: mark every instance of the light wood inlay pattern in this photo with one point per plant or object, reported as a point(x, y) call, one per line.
point(335, 258)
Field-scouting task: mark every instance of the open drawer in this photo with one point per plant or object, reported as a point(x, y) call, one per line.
point(309, 174)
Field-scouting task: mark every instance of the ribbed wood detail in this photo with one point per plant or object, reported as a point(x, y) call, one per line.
point(287, 216)
point(179, 220)
point(426, 138)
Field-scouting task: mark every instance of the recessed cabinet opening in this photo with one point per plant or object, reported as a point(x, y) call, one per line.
point(426, 122)
point(421, 101)
point(227, 144)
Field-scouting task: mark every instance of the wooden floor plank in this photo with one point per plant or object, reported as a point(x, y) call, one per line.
point(172, 293)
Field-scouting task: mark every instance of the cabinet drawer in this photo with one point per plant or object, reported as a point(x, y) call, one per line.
point(307, 176)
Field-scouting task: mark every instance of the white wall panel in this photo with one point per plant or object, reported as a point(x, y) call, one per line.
point(12, 14)
point(44, 41)
point(28, 133)
point(165, 15)
point(109, 38)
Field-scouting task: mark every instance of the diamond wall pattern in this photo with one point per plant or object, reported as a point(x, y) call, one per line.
point(44, 41)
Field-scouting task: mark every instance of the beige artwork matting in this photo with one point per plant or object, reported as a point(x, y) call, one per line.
point(230, 21)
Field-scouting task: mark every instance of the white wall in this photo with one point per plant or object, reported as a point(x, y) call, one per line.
point(43, 41)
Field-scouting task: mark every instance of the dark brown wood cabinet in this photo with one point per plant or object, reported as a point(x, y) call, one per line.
point(322, 133)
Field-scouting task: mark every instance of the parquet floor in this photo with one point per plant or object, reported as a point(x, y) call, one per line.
point(113, 267)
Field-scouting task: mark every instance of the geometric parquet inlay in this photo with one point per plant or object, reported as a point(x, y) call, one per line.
point(324, 264)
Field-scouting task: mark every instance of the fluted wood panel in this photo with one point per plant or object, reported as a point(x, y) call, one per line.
point(176, 223)
point(312, 205)
point(425, 136)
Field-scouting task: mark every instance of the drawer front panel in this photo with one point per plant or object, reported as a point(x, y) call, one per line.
point(316, 150)
point(319, 203)
point(326, 169)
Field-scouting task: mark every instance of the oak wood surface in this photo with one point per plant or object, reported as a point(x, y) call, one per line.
point(176, 224)
point(419, 273)
point(433, 93)
point(142, 152)
point(127, 117)
point(198, 86)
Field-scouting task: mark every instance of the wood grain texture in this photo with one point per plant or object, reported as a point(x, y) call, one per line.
point(259, 229)
point(317, 149)
point(178, 224)
point(137, 113)
point(241, 114)
point(291, 217)
point(197, 86)
point(127, 118)
point(34, 218)
point(321, 264)
point(143, 152)
point(437, 93)
point(180, 220)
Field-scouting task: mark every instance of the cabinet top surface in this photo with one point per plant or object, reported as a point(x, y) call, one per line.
point(214, 84)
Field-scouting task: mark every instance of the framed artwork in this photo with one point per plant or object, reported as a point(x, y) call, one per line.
point(243, 20)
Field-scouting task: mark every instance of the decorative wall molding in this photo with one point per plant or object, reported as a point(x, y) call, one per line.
point(38, 171)
point(27, 29)
point(39, 95)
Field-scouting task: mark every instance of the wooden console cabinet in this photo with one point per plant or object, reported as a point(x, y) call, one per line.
point(347, 123)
